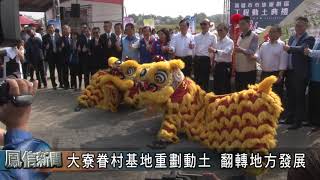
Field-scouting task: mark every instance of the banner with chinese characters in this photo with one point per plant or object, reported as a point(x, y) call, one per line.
point(192, 24)
point(56, 23)
point(264, 12)
point(127, 20)
point(73, 161)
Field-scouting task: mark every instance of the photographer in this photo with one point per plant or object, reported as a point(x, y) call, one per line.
point(14, 59)
point(17, 137)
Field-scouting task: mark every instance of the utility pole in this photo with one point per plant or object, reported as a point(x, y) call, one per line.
point(227, 11)
point(56, 9)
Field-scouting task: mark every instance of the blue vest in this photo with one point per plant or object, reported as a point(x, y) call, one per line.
point(158, 51)
point(145, 55)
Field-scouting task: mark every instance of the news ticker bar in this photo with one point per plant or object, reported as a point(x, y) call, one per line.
point(66, 161)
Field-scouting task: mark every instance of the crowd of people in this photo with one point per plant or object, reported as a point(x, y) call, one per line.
point(75, 57)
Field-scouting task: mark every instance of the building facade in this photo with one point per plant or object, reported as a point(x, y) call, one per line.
point(93, 12)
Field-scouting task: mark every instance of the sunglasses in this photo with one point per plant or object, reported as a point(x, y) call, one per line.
point(203, 24)
point(220, 30)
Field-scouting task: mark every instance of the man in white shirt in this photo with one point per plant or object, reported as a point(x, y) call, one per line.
point(202, 66)
point(273, 59)
point(38, 35)
point(223, 59)
point(245, 49)
point(182, 45)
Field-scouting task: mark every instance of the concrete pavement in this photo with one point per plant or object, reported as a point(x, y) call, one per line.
point(54, 120)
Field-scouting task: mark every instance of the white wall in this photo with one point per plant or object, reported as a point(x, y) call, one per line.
point(100, 11)
point(106, 12)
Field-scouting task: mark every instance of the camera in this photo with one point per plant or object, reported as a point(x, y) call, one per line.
point(18, 101)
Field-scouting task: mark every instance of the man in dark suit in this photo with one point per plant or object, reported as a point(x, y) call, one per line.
point(84, 27)
point(97, 58)
point(50, 49)
point(118, 29)
point(298, 73)
point(108, 41)
point(35, 56)
point(65, 50)
point(83, 47)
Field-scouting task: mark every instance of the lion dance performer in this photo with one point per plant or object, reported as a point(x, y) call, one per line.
point(243, 121)
point(108, 88)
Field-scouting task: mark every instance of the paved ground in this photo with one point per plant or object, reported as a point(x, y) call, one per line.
point(54, 120)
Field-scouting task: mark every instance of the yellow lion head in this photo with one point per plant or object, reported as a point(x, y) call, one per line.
point(129, 69)
point(120, 73)
point(157, 81)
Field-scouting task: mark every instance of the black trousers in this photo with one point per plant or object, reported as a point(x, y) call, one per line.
point(296, 97)
point(39, 69)
point(314, 103)
point(25, 70)
point(65, 74)
point(201, 70)
point(95, 68)
point(52, 69)
point(93, 71)
point(54, 64)
point(75, 72)
point(243, 79)
point(85, 68)
point(188, 65)
point(31, 71)
point(60, 69)
point(222, 78)
point(278, 87)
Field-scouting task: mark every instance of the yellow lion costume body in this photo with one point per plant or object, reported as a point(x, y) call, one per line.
point(243, 121)
point(108, 88)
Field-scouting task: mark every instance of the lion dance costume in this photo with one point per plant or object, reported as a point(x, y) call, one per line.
point(243, 121)
point(108, 88)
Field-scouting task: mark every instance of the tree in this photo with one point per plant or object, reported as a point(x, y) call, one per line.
point(172, 22)
point(200, 17)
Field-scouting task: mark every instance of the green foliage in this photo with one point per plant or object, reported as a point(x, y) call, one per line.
point(313, 17)
point(172, 22)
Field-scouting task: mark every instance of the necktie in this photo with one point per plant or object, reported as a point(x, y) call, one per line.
point(69, 40)
point(54, 44)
